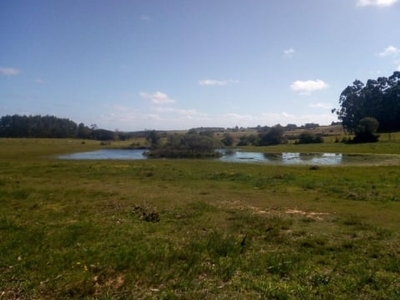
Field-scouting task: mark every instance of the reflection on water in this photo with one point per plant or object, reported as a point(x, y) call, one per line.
point(284, 158)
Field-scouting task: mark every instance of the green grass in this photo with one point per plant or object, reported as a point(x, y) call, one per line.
point(195, 229)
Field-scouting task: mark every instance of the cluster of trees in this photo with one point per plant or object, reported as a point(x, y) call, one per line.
point(275, 135)
point(248, 139)
point(190, 145)
point(377, 100)
point(37, 127)
point(272, 136)
point(17, 126)
point(266, 136)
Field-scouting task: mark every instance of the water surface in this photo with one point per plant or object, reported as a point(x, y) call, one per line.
point(238, 156)
point(120, 154)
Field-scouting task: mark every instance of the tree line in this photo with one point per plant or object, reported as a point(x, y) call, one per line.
point(17, 126)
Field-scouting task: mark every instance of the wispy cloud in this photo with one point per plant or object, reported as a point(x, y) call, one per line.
point(390, 51)
point(308, 86)
point(130, 118)
point(213, 82)
point(145, 18)
point(188, 113)
point(289, 52)
point(157, 98)
point(321, 105)
point(40, 81)
point(9, 71)
point(273, 118)
point(381, 3)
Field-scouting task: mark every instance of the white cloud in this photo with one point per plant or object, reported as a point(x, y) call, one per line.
point(126, 118)
point(157, 98)
point(382, 3)
point(157, 117)
point(375, 72)
point(391, 51)
point(321, 105)
point(289, 52)
point(189, 113)
point(9, 71)
point(210, 82)
point(308, 86)
point(271, 119)
point(240, 119)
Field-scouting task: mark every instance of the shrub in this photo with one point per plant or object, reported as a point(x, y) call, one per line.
point(309, 138)
point(366, 131)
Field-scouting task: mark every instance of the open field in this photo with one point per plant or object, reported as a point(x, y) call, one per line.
point(196, 229)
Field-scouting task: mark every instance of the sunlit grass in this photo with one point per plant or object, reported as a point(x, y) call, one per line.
point(194, 229)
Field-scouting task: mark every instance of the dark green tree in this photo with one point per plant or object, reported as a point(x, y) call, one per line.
point(366, 130)
point(153, 138)
point(37, 127)
point(84, 132)
point(273, 136)
point(379, 99)
point(227, 140)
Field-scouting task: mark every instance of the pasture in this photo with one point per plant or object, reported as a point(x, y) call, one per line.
point(196, 229)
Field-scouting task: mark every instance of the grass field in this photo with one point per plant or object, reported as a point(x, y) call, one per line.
point(196, 229)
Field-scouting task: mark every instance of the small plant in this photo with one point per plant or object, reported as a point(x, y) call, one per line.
point(146, 213)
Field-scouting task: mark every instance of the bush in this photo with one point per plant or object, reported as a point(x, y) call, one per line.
point(273, 136)
point(227, 140)
point(366, 131)
point(246, 140)
point(309, 138)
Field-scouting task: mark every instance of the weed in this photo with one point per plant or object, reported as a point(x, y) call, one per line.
point(146, 213)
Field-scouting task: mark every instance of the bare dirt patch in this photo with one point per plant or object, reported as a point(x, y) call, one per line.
point(307, 214)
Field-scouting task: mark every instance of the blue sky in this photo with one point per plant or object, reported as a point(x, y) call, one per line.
point(157, 64)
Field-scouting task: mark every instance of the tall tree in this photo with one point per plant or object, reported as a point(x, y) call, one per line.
point(379, 99)
point(274, 136)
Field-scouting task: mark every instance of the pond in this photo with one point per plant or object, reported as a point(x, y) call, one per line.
point(119, 154)
point(238, 156)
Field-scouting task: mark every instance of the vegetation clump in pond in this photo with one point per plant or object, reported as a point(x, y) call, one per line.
point(189, 145)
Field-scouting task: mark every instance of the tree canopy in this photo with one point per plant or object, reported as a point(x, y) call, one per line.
point(272, 136)
point(379, 99)
point(366, 131)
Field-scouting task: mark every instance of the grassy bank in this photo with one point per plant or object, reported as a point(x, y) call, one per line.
point(195, 229)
